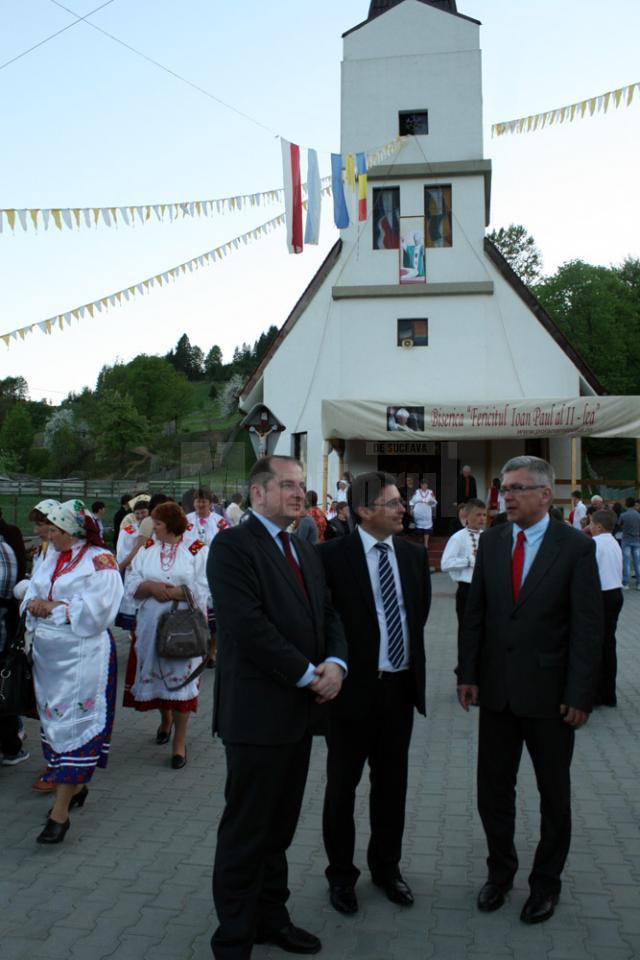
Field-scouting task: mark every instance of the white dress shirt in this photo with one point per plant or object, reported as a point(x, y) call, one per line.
point(609, 560)
point(579, 511)
point(373, 559)
point(459, 556)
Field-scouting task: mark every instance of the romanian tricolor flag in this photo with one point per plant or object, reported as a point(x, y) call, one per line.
point(361, 166)
point(292, 195)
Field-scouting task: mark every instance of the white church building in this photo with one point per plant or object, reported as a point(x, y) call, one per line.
point(415, 348)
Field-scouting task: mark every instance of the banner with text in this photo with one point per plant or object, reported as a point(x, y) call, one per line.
point(412, 422)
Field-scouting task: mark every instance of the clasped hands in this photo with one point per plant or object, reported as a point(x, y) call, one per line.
point(41, 608)
point(328, 681)
point(163, 592)
point(469, 696)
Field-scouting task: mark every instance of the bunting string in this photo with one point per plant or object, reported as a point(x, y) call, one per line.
point(75, 218)
point(120, 297)
point(133, 214)
point(623, 96)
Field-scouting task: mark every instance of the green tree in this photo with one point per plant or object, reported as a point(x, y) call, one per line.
point(598, 308)
point(12, 390)
point(158, 392)
point(16, 434)
point(121, 429)
point(213, 363)
point(519, 249)
point(187, 359)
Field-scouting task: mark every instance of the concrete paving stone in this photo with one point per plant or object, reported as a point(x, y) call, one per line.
point(584, 882)
point(628, 918)
point(593, 905)
point(603, 933)
point(134, 947)
point(446, 948)
point(17, 948)
point(618, 874)
point(370, 946)
point(624, 895)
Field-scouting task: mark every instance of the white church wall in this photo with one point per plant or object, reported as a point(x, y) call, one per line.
point(440, 71)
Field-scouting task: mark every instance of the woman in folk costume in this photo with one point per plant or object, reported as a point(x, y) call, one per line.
point(129, 542)
point(158, 573)
point(41, 527)
point(422, 505)
point(72, 600)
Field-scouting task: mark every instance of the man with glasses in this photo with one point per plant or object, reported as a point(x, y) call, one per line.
point(380, 586)
point(529, 656)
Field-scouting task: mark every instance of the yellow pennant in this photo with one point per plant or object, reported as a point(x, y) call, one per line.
point(34, 217)
point(76, 216)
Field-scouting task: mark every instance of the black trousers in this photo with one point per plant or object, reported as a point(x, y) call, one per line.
point(263, 796)
point(612, 605)
point(380, 736)
point(10, 743)
point(550, 745)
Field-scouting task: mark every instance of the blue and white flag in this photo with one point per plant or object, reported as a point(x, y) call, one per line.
point(340, 212)
point(312, 226)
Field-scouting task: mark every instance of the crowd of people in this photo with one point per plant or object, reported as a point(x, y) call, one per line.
point(317, 620)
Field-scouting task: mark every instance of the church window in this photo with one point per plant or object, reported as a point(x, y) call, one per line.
point(299, 447)
point(437, 206)
point(413, 333)
point(386, 218)
point(413, 123)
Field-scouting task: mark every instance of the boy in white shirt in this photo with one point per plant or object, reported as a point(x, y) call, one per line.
point(609, 560)
point(459, 557)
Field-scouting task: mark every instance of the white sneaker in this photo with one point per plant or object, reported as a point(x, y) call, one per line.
point(625, 586)
point(8, 761)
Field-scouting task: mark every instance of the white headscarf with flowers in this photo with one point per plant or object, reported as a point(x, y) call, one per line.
point(69, 516)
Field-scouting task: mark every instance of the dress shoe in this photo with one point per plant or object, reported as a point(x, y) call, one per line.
point(43, 786)
point(77, 800)
point(162, 736)
point(396, 890)
point(53, 832)
point(491, 896)
point(343, 898)
point(292, 939)
point(178, 761)
point(539, 907)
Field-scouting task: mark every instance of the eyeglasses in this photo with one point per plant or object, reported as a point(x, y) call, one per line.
point(518, 488)
point(391, 504)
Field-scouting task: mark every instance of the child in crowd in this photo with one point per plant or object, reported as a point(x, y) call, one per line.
point(459, 557)
point(609, 559)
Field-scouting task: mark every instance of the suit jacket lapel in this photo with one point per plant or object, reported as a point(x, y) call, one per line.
point(360, 570)
point(546, 555)
point(277, 559)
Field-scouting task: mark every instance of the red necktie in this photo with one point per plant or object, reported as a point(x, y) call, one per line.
point(517, 564)
point(293, 563)
point(466, 486)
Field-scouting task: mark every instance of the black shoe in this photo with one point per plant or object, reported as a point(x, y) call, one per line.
point(292, 939)
point(491, 896)
point(539, 907)
point(343, 898)
point(53, 832)
point(178, 761)
point(162, 736)
point(396, 890)
point(77, 800)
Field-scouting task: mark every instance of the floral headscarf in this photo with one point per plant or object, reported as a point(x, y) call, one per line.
point(139, 502)
point(46, 506)
point(70, 517)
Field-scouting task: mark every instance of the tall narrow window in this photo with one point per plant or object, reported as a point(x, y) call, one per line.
point(299, 448)
point(413, 123)
point(437, 205)
point(386, 218)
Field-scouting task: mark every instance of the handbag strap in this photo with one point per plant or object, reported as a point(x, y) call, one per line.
point(192, 676)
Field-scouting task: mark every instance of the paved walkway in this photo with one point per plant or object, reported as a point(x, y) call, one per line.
point(132, 879)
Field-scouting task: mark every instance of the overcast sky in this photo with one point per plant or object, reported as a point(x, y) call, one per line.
point(86, 122)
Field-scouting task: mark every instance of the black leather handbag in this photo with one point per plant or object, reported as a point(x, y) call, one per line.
point(17, 694)
point(183, 635)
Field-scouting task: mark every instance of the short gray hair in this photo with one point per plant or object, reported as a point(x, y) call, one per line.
point(542, 471)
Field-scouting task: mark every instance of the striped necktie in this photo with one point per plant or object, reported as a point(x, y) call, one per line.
point(395, 640)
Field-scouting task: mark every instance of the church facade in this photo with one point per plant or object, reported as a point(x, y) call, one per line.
point(415, 348)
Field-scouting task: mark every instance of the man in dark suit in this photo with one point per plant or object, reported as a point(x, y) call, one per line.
point(380, 586)
point(529, 655)
point(467, 488)
point(281, 656)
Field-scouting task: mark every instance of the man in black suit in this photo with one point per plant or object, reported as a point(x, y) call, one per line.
point(281, 655)
point(529, 655)
point(380, 586)
point(467, 488)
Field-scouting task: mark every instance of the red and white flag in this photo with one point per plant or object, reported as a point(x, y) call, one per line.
point(292, 195)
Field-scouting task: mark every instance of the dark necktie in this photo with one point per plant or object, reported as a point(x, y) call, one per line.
point(517, 565)
point(291, 560)
point(395, 642)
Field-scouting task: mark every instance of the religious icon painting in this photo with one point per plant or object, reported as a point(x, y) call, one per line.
point(412, 252)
